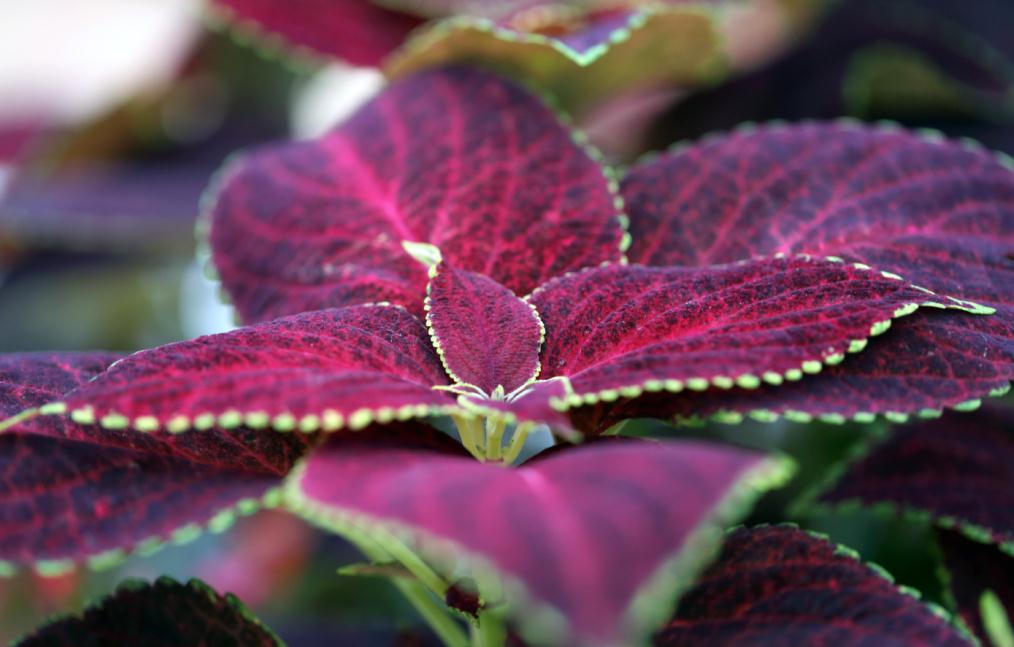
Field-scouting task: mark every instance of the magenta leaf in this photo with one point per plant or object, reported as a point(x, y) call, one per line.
point(626, 330)
point(327, 369)
point(163, 613)
point(455, 158)
point(939, 213)
point(356, 31)
point(957, 470)
point(782, 586)
point(972, 569)
point(919, 367)
point(487, 337)
point(74, 493)
point(583, 531)
point(29, 380)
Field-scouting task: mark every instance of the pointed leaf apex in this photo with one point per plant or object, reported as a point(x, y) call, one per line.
point(427, 254)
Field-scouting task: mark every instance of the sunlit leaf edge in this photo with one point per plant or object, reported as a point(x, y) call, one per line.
point(539, 623)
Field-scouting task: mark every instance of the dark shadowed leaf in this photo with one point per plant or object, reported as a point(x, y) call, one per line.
point(76, 493)
point(486, 336)
point(971, 569)
point(356, 31)
point(582, 56)
point(919, 60)
point(782, 586)
point(319, 370)
point(164, 613)
point(456, 158)
point(583, 531)
point(621, 331)
point(959, 470)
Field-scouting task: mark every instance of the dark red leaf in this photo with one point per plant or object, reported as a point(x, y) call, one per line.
point(74, 493)
point(971, 569)
point(486, 336)
point(959, 470)
point(456, 158)
point(164, 613)
point(357, 31)
point(782, 586)
point(625, 330)
point(937, 212)
point(319, 370)
point(29, 380)
point(919, 367)
point(582, 531)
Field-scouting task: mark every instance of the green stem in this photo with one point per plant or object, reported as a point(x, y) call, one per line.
point(494, 436)
point(410, 560)
point(490, 632)
point(436, 616)
point(441, 622)
point(517, 442)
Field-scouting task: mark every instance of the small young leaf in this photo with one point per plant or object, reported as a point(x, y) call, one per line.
point(624, 330)
point(583, 531)
point(957, 469)
point(357, 31)
point(319, 370)
point(164, 613)
point(972, 569)
point(781, 586)
point(456, 158)
point(486, 336)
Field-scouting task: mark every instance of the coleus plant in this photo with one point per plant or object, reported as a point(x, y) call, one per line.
point(453, 253)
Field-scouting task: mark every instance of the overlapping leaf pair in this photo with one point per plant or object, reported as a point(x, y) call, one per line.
point(812, 228)
point(582, 51)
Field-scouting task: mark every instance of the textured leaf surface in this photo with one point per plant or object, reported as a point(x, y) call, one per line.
point(600, 55)
point(972, 568)
point(486, 335)
point(959, 469)
point(75, 492)
point(779, 585)
point(321, 369)
point(936, 212)
point(356, 31)
point(624, 328)
point(456, 158)
point(164, 613)
point(920, 366)
point(581, 531)
point(29, 380)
